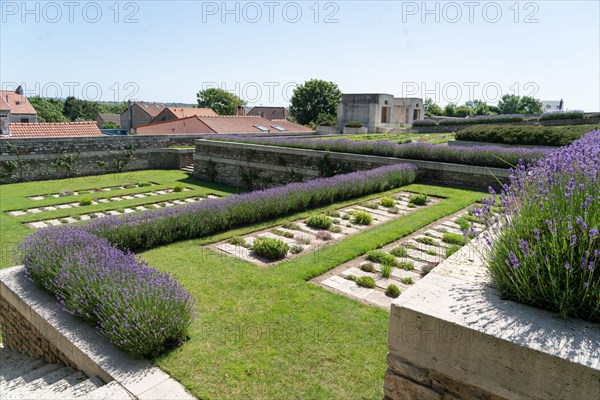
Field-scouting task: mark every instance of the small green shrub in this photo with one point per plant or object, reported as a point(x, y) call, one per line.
point(362, 218)
point(270, 248)
point(386, 270)
point(424, 122)
point(524, 134)
point(291, 226)
point(367, 267)
point(304, 240)
point(296, 249)
point(351, 277)
point(411, 205)
point(66, 192)
point(399, 251)
point(353, 124)
point(284, 234)
point(85, 201)
point(346, 217)
point(387, 202)
point(143, 184)
point(335, 229)
point(452, 249)
point(407, 281)
point(427, 240)
point(237, 241)
point(463, 222)
point(319, 221)
point(381, 257)
point(453, 238)
point(431, 253)
point(365, 281)
point(392, 291)
point(418, 199)
point(178, 187)
point(333, 214)
point(406, 265)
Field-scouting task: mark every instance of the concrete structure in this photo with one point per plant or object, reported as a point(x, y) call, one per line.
point(552, 105)
point(14, 107)
point(101, 119)
point(33, 322)
point(225, 124)
point(453, 336)
point(139, 113)
point(270, 113)
point(172, 113)
point(379, 112)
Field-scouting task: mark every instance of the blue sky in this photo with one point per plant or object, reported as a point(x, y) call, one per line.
point(167, 51)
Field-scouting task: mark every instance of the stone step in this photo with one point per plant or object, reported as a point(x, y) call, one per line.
point(110, 391)
point(59, 390)
point(25, 379)
point(17, 365)
point(38, 385)
point(80, 390)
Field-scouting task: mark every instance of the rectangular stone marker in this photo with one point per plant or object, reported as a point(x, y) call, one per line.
point(69, 220)
point(420, 255)
point(37, 198)
point(191, 200)
point(99, 215)
point(139, 195)
point(334, 281)
point(113, 212)
point(17, 213)
point(128, 211)
point(37, 225)
point(212, 196)
point(34, 210)
point(380, 299)
point(161, 192)
point(50, 208)
point(84, 217)
point(156, 206)
point(103, 201)
point(64, 206)
point(54, 222)
point(141, 208)
point(128, 197)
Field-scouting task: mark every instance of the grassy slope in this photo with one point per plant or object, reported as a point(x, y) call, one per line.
point(266, 333)
point(14, 197)
point(433, 138)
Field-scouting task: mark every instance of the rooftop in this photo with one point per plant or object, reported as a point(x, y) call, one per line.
point(52, 130)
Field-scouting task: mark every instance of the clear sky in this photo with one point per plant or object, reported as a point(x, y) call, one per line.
point(168, 50)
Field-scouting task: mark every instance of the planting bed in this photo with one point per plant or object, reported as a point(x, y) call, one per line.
point(415, 256)
point(88, 191)
point(87, 217)
point(302, 238)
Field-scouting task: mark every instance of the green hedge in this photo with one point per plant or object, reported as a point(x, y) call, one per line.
point(524, 134)
point(425, 122)
point(473, 121)
point(562, 115)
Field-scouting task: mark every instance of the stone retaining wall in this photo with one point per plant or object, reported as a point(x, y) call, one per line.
point(35, 159)
point(260, 166)
point(452, 336)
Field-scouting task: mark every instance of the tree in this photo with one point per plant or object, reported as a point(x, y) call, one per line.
point(80, 110)
point(314, 97)
point(478, 107)
point(462, 111)
point(221, 101)
point(431, 108)
point(48, 110)
point(450, 110)
point(509, 104)
point(529, 105)
point(110, 125)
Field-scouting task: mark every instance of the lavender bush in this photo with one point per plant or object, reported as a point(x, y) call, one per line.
point(486, 156)
point(138, 308)
point(545, 250)
point(153, 228)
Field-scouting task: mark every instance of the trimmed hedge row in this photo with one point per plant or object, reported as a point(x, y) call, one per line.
point(485, 156)
point(523, 134)
point(154, 228)
point(472, 121)
point(562, 115)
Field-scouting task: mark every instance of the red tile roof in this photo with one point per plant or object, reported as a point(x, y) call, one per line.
point(269, 112)
point(52, 130)
point(152, 109)
point(15, 103)
point(184, 112)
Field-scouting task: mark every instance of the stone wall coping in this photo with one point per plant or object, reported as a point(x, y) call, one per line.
point(452, 321)
point(473, 169)
point(91, 352)
point(472, 143)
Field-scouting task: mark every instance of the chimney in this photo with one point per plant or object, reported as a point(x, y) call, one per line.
point(19, 90)
point(241, 111)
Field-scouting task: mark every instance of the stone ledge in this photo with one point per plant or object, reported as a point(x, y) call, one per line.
point(84, 347)
point(454, 324)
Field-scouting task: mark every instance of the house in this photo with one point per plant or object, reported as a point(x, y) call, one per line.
point(101, 119)
point(171, 113)
point(139, 113)
point(379, 112)
point(14, 107)
point(552, 105)
point(269, 113)
point(18, 130)
point(226, 124)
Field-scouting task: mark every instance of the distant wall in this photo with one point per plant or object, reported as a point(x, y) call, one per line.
point(259, 166)
point(35, 159)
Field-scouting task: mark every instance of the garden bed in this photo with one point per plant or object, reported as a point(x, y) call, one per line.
point(301, 238)
point(409, 259)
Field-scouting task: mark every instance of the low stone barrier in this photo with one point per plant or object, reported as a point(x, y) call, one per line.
point(32, 322)
point(260, 166)
point(452, 336)
point(471, 143)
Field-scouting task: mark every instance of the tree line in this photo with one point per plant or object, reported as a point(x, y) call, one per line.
point(72, 109)
point(509, 104)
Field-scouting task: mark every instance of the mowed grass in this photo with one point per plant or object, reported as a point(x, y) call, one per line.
point(15, 197)
point(432, 138)
point(266, 333)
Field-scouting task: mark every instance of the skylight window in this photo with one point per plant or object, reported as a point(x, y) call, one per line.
point(261, 127)
point(279, 128)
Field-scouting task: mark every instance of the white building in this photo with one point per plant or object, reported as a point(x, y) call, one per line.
point(552, 105)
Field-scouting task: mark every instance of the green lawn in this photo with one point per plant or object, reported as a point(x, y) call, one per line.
point(432, 138)
point(14, 197)
point(265, 333)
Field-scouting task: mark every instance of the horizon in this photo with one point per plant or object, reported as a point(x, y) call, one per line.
point(157, 51)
